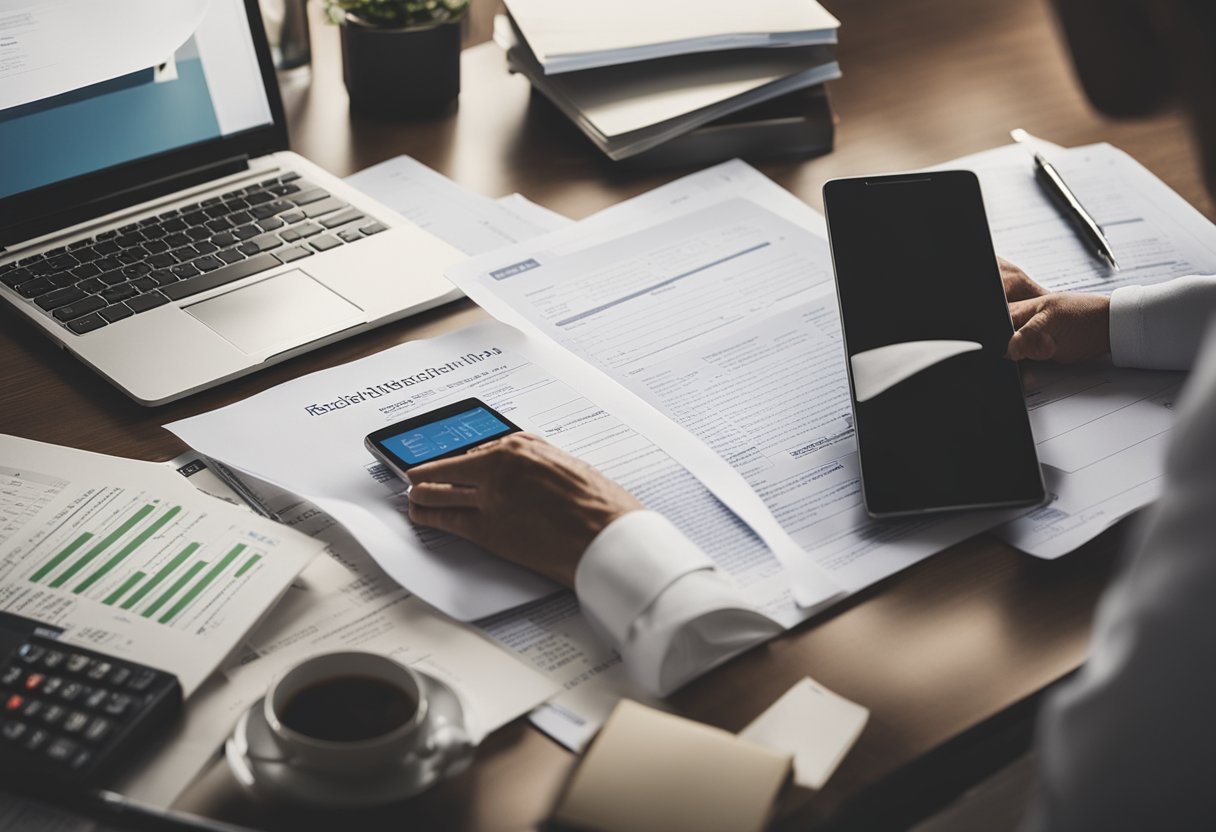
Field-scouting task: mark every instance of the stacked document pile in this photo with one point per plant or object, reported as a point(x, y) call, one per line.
point(686, 74)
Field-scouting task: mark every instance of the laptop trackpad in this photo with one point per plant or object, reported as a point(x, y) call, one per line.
point(277, 313)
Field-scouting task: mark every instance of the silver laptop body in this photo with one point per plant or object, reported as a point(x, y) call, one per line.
point(171, 248)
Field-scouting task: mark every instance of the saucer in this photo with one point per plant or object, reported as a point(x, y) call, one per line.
point(261, 768)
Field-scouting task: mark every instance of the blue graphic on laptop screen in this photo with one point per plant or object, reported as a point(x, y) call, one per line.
point(130, 117)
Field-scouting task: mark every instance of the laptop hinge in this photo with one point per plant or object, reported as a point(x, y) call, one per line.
point(122, 199)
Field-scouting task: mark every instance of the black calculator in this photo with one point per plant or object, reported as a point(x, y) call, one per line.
point(73, 716)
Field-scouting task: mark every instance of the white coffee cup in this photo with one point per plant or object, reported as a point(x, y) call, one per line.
point(354, 756)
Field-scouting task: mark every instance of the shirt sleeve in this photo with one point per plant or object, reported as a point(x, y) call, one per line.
point(1160, 327)
point(659, 600)
point(1130, 741)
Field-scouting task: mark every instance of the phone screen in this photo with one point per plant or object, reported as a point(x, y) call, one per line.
point(939, 411)
point(441, 433)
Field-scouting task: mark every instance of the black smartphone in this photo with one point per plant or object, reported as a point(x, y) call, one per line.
point(939, 412)
point(447, 431)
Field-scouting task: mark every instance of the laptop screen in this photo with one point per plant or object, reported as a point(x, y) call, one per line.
point(210, 88)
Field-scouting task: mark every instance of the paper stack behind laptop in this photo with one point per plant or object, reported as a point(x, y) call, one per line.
point(635, 75)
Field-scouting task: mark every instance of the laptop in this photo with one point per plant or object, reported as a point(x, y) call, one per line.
point(156, 225)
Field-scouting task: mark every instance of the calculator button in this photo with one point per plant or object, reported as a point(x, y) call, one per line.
point(120, 675)
point(81, 760)
point(61, 750)
point(32, 709)
point(37, 739)
point(77, 663)
point(51, 685)
point(75, 722)
point(117, 704)
point(96, 698)
point(99, 670)
point(53, 714)
point(98, 730)
point(13, 730)
point(73, 691)
point(33, 681)
point(53, 659)
point(14, 702)
point(143, 680)
point(11, 675)
point(30, 653)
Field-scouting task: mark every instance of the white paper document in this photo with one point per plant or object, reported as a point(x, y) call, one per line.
point(1163, 238)
point(491, 362)
point(573, 36)
point(1155, 234)
point(468, 221)
point(342, 601)
point(721, 314)
point(126, 558)
point(56, 46)
point(541, 389)
point(815, 725)
point(1101, 431)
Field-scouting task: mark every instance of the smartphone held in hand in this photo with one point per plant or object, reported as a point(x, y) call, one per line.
point(445, 432)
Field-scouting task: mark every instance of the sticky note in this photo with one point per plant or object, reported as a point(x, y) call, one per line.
point(813, 724)
point(649, 771)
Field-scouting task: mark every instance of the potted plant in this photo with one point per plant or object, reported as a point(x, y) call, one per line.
point(400, 58)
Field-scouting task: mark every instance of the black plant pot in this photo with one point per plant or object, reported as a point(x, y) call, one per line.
point(401, 73)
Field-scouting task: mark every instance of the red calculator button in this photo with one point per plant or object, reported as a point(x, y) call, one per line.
point(14, 702)
point(33, 681)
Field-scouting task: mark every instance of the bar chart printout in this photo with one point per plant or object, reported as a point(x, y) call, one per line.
point(149, 569)
point(137, 552)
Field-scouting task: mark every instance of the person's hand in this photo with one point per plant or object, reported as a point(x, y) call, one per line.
point(1054, 326)
point(521, 499)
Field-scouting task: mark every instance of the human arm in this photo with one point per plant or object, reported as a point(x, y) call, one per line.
point(1150, 327)
point(1130, 742)
point(647, 589)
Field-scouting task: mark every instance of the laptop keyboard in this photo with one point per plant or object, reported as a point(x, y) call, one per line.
point(98, 281)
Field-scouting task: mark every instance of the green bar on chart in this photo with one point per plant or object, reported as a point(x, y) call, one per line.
point(185, 600)
point(163, 573)
point(139, 540)
point(83, 561)
point(113, 597)
point(247, 565)
point(49, 567)
point(171, 591)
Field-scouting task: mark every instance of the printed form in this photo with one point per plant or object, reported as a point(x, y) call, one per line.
point(470, 222)
point(718, 266)
point(1101, 431)
point(330, 412)
point(535, 385)
point(724, 318)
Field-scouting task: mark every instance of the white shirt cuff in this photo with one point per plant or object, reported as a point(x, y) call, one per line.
point(1161, 327)
point(1127, 327)
point(628, 565)
point(661, 603)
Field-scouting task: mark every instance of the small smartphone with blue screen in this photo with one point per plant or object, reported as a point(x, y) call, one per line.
point(445, 432)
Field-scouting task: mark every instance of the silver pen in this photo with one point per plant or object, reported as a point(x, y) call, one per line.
point(1054, 184)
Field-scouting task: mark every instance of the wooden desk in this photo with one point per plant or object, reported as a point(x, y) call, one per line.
point(940, 652)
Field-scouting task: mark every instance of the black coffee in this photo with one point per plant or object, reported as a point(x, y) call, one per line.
point(348, 709)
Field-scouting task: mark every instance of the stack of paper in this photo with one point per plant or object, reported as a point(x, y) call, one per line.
point(633, 78)
point(569, 36)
